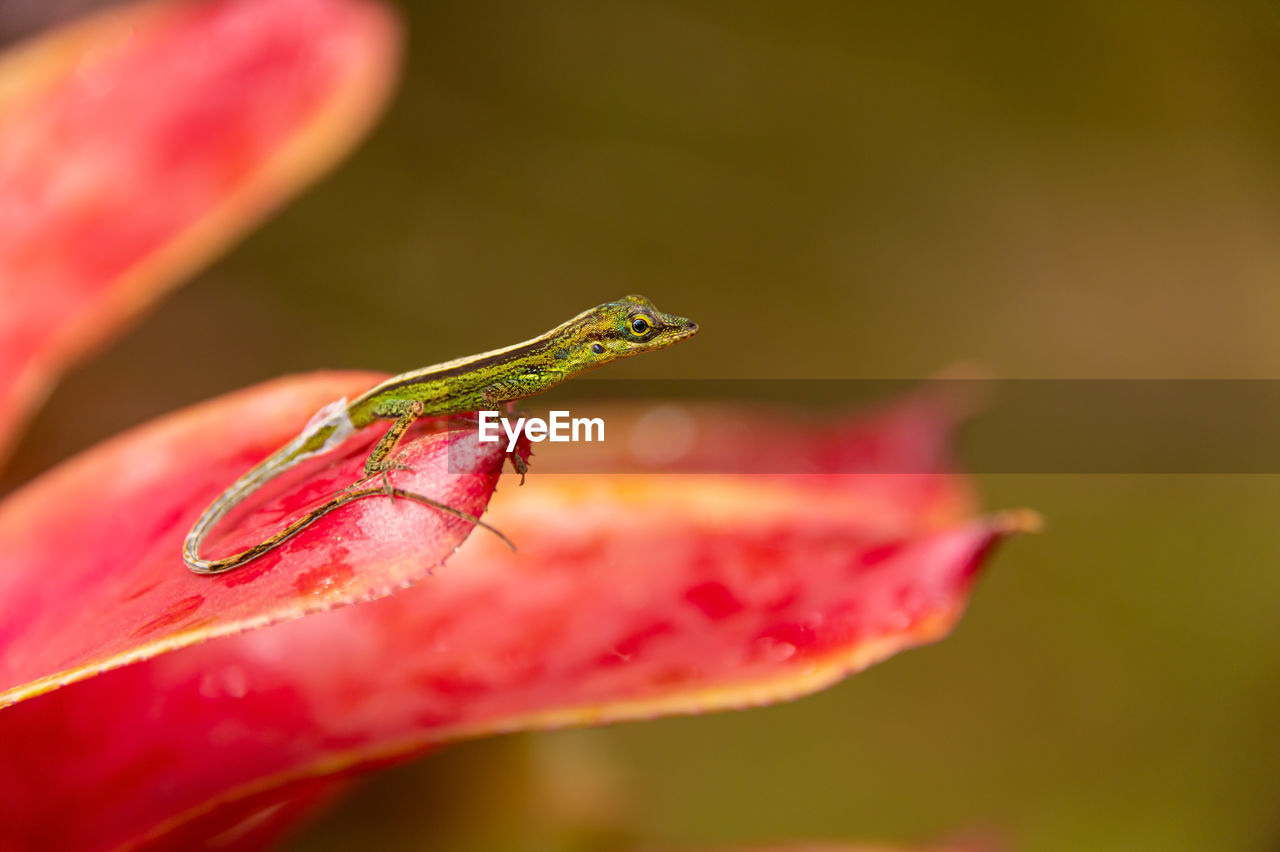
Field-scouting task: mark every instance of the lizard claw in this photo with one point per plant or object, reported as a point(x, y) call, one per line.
point(383, 469)
point(379, 469)
point(518, 464)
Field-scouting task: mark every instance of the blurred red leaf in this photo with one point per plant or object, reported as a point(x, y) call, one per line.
point(138, 144)
point(631, 596)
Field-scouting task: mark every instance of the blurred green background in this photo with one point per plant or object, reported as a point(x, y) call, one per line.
point(843, 190)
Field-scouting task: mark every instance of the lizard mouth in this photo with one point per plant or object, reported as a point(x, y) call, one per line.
point(677, 329)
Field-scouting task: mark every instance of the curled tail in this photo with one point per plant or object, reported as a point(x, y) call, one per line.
point(227, 563)
point(330, 427)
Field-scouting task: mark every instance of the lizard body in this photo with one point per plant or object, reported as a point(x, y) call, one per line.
point(592, 339)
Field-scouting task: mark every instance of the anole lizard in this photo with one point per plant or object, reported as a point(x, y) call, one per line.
point(592, 339)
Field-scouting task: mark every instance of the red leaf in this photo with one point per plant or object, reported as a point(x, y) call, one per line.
point(138, 144)
point(631, 596)
point(94, 576)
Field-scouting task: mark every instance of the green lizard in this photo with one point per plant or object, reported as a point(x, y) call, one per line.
point(592, 339)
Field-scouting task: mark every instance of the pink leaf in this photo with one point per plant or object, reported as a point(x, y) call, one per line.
point(138, 144)
point(631, 596)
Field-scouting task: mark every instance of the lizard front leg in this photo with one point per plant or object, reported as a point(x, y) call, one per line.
point(506, 394)
point(377, 463)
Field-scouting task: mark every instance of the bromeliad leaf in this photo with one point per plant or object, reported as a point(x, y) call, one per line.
point(93, 551)
point(631, 595)
point(137, 145)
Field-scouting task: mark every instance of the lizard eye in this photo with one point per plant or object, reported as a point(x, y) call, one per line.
point(640, 325)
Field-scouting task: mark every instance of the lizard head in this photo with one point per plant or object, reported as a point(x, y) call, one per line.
point(627, 327)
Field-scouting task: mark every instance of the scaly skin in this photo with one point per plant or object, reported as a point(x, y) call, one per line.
point(592, 339)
